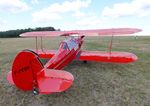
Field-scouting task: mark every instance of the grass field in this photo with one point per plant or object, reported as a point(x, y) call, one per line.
point(95, 84)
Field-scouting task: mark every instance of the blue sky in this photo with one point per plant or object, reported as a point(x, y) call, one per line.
point(75, 14)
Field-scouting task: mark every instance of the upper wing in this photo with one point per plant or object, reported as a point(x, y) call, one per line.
point(113, 57)
point(93, 32)
point(44, 33)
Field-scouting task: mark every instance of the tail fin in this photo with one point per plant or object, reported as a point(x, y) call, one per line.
point(28, 73)
point(25, 68)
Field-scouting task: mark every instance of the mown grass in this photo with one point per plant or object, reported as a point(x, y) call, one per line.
point(96, 84)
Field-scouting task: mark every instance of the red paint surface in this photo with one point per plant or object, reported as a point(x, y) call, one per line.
point(113, 57)
point(45, 53)
point(50, 81)
point(93, 32)
point(24, 70)
point(28, 72)
point(9, 78)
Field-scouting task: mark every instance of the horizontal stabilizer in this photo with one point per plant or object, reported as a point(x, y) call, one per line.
point(9, 78)
point(50, 81)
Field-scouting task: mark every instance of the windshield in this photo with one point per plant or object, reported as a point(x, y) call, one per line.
point(64, 45)
point(71, 44)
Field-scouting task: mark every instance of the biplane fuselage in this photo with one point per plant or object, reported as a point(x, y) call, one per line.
point(28, 73)
point(69, 50)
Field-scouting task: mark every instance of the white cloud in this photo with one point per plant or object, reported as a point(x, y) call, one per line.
point(35, 1)
point(135, 7)
point(88, 21)
point(3, 22)
point(54, 11)
point(68, 6)
point(45, 17)
point(78, 14)
point(13, 6)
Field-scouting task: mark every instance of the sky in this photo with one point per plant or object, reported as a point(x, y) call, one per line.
point(75, 14)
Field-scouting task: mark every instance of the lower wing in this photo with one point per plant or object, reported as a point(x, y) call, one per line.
point(97, 56)
point(45, 53)
point(113, 57)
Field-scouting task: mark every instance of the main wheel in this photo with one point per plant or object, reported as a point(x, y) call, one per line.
point(84, 61)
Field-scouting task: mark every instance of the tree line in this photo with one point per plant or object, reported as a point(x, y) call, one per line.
point(16, 33)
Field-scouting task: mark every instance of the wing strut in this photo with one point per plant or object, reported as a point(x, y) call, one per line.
point(110, 45)
point(36, 44)
point(41, 44)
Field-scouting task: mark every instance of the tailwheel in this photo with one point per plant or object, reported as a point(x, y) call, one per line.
point(35, 91)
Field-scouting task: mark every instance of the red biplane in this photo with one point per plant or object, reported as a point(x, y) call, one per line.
point(28, 73)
